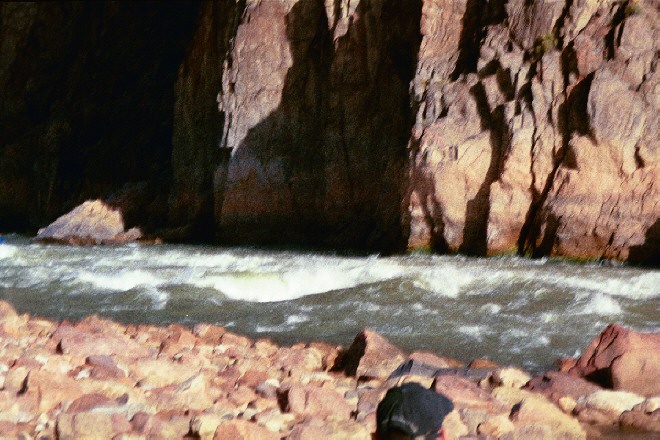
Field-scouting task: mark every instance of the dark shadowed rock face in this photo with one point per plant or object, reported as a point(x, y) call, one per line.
point(466, 126)
point(86, 104)
point(316, 116)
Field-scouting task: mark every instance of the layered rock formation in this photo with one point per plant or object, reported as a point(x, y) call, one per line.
point(537, 128)
point(468, 126)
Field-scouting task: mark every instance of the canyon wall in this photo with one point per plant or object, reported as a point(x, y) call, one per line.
point(314, 104)
point(469, 126)
point(86, 109)
point(537, 128)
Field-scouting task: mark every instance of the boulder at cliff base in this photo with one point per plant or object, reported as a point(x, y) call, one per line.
point(93, 222)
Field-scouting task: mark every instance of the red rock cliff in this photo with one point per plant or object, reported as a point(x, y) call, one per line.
point(314, 104)
point(468, 126)
point(465, 126)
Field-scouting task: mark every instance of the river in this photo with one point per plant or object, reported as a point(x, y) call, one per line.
point(509, 309)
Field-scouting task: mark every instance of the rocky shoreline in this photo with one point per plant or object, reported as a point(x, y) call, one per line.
point(102, 379)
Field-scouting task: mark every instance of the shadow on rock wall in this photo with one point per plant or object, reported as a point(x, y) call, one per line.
point(87, 103)
point(326, 168)
point(649, 252)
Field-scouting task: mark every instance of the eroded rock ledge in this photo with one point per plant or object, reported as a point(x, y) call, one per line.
point(102, 379)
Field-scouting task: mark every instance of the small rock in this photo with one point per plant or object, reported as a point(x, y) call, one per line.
point(91, 425)
point(453, 427)
point(496, 427)
point(370, 356)
point(88, 402)
point(242, 396)
point(434, 360)
point(273, 420)
point(243, 430)
point(465, 393)
point(266, 390)
point(555, 385)
point(209, 333)
point(234, 340)
point(15, 379)
point(536, 410)
point(640, 420)
point(252, 378)
point(318, 402)
point(482, 364)
point(314, 429)
point(204, 425)
point(510, 377)
point(166, 425)
point(615, 402)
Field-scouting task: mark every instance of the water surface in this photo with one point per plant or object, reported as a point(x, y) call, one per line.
point(512, 310)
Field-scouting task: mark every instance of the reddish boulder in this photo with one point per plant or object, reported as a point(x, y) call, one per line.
point(88, 402)
point(622, 359)
point(165, 425)
point(482, 364)
point(370, 356)
point(51, 390)
point(104, 367)
point(100, 341)
point(243, 430)
point(318, 402)
point(466, 394)
point(434, 360)
point(554, 385)
point(641, 421)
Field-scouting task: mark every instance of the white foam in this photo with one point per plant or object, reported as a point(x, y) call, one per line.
point(122, 281)
point(475, 331)
point(548, 317)
point(542, 340)
point(269, 328)
point(159, 298)
point(644, 286)
point(491, 308)
point(600, 304)
point(296, 319)
point(7, 251)
point(447, 281)
point(293, 284)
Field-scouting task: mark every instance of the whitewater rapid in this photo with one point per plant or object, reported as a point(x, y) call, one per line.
point(512, 310)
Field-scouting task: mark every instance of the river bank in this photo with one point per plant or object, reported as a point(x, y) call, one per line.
point(100, 379)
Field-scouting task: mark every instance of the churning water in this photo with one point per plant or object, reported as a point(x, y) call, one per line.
point(512, 310)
